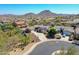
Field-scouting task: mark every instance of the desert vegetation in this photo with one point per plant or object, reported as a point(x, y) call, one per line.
point(10, 36)
point(71, 50)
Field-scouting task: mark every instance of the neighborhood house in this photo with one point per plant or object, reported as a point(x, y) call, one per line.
point(20, 23)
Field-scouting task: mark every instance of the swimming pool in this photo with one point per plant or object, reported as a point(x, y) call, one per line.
point(67, 33)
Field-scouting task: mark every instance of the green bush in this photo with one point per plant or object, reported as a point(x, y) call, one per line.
point(53, 30)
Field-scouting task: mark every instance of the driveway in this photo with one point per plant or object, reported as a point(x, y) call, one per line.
point(41, 36)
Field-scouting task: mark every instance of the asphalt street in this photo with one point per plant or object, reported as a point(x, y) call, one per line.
point(46, 48)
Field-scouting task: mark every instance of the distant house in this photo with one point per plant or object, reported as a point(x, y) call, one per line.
point(20, 23)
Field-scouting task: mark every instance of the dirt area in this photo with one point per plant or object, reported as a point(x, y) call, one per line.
point(19, 51)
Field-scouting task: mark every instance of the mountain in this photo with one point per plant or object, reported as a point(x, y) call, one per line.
point(42, 15)
point(46, 13)
point(29, 14)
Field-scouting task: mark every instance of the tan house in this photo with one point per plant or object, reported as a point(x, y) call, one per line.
point(20, 23)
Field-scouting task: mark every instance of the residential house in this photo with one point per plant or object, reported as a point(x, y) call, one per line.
point(20, 23)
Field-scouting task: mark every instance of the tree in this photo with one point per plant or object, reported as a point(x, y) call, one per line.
point(52, 31)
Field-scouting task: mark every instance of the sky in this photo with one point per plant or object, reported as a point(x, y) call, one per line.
point(20, 9)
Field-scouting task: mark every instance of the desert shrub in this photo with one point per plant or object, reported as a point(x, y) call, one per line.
point(6, 27)
point(32, 22)
point(24, 39)
point(71, 50)
point(58, 36)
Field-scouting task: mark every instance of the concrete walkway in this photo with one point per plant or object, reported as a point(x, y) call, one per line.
point(41, 36)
